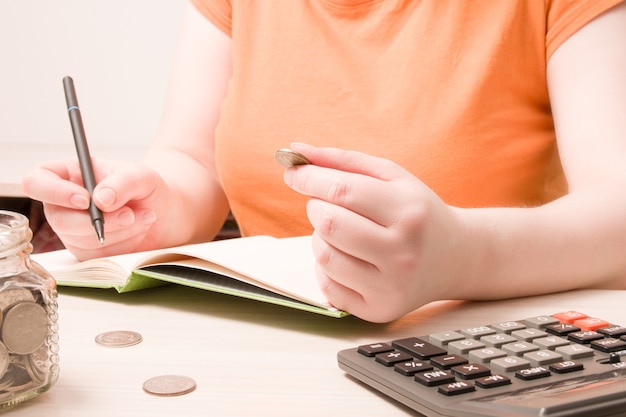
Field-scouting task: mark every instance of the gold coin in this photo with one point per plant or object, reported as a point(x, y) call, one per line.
point(169, 385)
point(25, 328)
point(288, 158)
point(118, 338)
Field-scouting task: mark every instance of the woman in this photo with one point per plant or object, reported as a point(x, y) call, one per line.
point(460, 150)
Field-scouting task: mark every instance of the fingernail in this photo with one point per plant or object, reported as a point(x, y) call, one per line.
point(106, 196)
point(126, 217)
point(80, 201)
point(149, 217)
point(288, 177)
point(299, 146)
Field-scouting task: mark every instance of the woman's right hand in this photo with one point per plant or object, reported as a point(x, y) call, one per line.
point(131, 197)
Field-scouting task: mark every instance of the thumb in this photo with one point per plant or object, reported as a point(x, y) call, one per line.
point(124, 186)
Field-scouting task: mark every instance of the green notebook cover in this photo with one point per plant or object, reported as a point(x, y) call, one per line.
point(262, 268)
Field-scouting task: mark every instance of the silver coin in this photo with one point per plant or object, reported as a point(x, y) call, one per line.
point(288, 158)
point(25, 328)
point(118, 338)
point(11, 296)
point(4, 359)
point(37, 364)
point(169, 385)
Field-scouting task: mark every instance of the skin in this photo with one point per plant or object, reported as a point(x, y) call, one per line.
point(576, 241)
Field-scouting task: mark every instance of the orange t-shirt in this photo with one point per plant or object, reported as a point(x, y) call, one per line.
point(454, 91)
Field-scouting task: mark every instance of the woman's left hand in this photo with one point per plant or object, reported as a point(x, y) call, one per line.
point(384, 243)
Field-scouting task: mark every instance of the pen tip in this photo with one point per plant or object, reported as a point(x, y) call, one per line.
point(101, 240)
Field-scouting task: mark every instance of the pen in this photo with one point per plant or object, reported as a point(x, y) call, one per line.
point(84, 158)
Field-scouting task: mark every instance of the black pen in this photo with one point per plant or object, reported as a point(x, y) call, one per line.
point(84, 157)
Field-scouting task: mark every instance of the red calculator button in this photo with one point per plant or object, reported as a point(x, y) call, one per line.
point(569, 316)
point(591, 323)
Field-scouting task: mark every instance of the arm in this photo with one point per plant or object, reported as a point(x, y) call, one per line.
point(183, 152)
point(579, 240)
point(174, 197)
point(385, 244)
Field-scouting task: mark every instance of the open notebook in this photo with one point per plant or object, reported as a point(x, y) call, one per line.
point(263, 268)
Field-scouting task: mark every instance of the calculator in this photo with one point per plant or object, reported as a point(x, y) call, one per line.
point(563, 364)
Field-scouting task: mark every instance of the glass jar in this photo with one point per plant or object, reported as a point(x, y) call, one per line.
point(29, 344)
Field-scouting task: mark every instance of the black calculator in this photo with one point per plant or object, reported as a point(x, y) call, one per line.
point(564, 364)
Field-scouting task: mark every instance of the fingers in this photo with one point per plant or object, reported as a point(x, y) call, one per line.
point(75, 229)
point(353, 285)
point(353, 191)
point(125, 193)
point(348, 232)
point(350, 161)
point(57, 182)
point(124, 185)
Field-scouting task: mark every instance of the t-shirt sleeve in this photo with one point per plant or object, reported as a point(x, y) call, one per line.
point(218, 12)
point(565, 17)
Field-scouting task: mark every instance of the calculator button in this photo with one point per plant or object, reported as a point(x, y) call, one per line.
point(591, 323)
point(412, 367)
point(442, 339)
point(509, 364)
point(471, 371)
point(584, 337)
point(533, 373)
point(497, 340)
point(519, 348)
point(565, 367)
point(551, 342)
point(393, 357)
point(418, 348)
point(434, 377)
point(608, 345)
point(374, 349)
point(508, 326)
point(462, 347)
point(477, 332)
point(448, 361)
point(613, 331)
point(528, 335)
point(543, 357)
point(540, 322)
point(569, 316)
point(562, 329)
point(486, 355)
point(575, 351)
point(492, 381)
point(456, 388)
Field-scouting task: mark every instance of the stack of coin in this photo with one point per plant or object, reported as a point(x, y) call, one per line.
point(24, 329)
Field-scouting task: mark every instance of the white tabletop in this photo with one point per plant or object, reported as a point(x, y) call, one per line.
point(247, 358)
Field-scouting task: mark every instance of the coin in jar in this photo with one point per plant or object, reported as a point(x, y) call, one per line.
point(118, 338)
point(4, 359)
point(25, 328)
point(11, 296)
point(288, 158)
point(169, 385)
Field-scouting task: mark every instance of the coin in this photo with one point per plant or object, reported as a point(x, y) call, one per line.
point(25, 328)
point(288, 158)
point(4, 359)
point(118, 338)
point(169, 385)
point(11, 296)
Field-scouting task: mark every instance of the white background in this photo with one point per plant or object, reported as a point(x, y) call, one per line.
point(118, 52)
